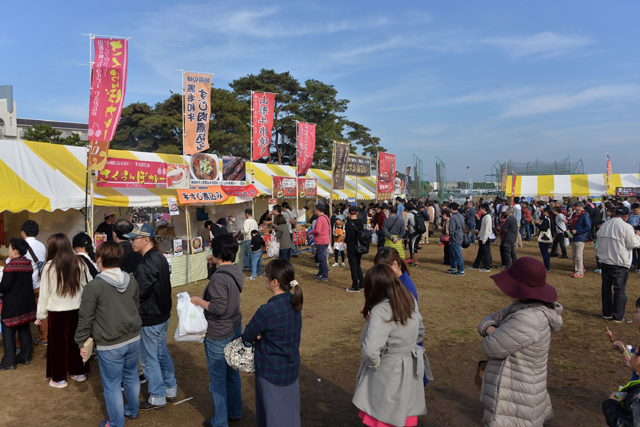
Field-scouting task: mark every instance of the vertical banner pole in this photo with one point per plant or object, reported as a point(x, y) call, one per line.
point(252, 160)
point(333, 162)
point(89, 173)
point(183, 118)
point(87, 220)
point(356, 190)
point(377, 174)
point(186, 261)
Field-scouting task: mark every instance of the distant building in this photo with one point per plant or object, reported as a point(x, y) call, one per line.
point(12, 127)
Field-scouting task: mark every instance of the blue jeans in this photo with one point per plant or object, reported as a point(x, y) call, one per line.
point(544, 251)
point(455, 251)
point(120, 366)
point(294, 248)
point(323, 270)
point(224, 382)
point(256, 263)
point(157, 364)
point(285, 254)
point(524, 228)
point(246, 255)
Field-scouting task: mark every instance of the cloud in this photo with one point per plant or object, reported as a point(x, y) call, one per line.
point(543, 45)
point(548, 103)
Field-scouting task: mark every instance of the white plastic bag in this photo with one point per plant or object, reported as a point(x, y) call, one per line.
point(273, 249)
point(374, 238)
point(192, 325)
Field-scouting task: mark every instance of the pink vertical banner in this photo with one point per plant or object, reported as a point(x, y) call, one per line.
point(306, 146)
point(262, 105)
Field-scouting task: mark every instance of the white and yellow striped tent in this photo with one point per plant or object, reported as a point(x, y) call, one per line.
point(570, 185)
point(366, 186)
point(38, 176)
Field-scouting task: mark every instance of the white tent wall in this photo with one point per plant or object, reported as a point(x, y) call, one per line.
point(68, 222)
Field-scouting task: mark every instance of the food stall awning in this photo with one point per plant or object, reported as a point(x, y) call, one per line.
point(264, 172)
point(42, 176)
point(577, 185)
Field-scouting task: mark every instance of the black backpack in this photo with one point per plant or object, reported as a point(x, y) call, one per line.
point(363, 240)
point(420, 225)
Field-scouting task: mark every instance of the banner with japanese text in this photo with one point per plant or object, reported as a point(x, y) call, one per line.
point(340, 159)
point(240, 190)
point(283, 187)
point(359, 165)
point(308, 187)
point(133, 174)
point(386, 172)
point(108, 85)
point(513, 186)
point(197, 110)
point(306, 146)
point(202, 194)
point(98, 153)
point(262, 107)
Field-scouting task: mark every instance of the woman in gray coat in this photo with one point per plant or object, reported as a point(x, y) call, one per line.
point(389, 386)
point(516, 341)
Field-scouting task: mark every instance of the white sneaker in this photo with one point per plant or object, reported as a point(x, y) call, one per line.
point(343, 264)
point(251, 278)
point(335, 265)
point(78, 378)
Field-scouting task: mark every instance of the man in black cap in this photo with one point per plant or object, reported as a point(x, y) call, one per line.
point(351, 229)
point(616, 240)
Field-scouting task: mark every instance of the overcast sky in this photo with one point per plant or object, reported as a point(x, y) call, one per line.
point(470, 82)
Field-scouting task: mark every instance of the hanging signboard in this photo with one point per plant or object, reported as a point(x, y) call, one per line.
point(358, 165)
point(133, 174)
point(628, 191)
point(234, 169)
point(197, 111)
point(240, 190)
point(205, 169)
point(196, 245)
point(272, 203)
point(198, 195)
point(306, 146)
point(386, 172)
point(283, 187)
point(308, 187)
point(262, 107)
point(177, 247)
point(340, 158)
point(177, 176)
point(173, 206)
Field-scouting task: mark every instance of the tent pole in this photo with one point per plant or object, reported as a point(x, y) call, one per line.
point(186, 261)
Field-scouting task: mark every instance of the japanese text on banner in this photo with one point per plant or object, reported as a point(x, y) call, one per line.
point(386, 173)
point(133, 174)
point(306, 147)
point(197, 110)
point(262, 105)
point(341, 156)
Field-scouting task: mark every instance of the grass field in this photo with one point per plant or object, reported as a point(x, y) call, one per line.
point(583, 369)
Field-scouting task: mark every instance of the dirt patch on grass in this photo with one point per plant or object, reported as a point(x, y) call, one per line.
point(583, 370)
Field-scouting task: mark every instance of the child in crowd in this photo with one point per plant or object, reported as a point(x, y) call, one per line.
point(338, 241)
point(621, 407)
point(257, 247)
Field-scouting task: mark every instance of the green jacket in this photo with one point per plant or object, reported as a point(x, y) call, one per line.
point(109, 310)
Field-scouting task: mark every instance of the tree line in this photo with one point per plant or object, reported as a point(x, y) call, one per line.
point(158, 128)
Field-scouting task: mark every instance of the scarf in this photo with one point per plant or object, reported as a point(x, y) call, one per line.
point(19, 265)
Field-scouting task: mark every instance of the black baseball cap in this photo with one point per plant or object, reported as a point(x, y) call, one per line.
point(622, 211)
point(353, 210)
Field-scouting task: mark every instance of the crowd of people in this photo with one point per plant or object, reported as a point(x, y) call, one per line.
point(118, 300)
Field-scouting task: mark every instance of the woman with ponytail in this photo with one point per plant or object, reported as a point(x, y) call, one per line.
point(275, 332)
point(389, 388)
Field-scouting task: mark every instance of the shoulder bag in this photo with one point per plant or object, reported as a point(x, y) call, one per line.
point(240, 356)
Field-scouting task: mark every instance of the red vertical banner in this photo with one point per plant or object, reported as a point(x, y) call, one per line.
point(513, 186)
point(386, 172)
point(108, 86)
point(262, 105)
point(306, 145)
point(197, 111)
point(608, 177)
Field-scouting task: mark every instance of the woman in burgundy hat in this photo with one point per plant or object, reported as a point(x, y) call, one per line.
point(516, 341)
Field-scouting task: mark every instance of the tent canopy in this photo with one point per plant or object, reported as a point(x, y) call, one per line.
point(570, 185)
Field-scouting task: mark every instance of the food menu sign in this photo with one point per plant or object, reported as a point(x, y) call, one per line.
point(308, 187)
point(283, 186)
point(628, 191)
point(200, 195)
point(177, 176)
point(205, 169)
point(234, 169)
point(196, 112)
point(386, 172)
point(133, 174)
point(358, 165)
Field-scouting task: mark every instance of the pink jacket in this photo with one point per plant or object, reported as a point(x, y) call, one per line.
point(322, 230)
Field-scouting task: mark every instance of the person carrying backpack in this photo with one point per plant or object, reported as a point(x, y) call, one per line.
point(36, 253)
point(416, 227)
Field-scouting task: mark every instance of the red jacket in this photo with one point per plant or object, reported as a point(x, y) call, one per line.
point(322, 231)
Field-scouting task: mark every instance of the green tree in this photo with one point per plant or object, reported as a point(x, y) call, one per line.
point(229, 130)
point(46, 133)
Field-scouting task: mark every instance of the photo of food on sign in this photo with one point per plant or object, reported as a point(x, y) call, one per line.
point(205, 167)
point(196, 244)
point(177, 176)
point(234, 169)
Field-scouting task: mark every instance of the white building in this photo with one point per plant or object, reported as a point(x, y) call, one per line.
point(12, 127)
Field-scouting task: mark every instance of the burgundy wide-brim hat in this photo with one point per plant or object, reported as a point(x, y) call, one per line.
point(526, 279)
